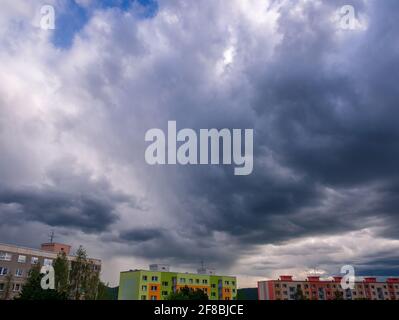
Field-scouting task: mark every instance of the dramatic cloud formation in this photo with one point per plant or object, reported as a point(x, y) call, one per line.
point(75, 104)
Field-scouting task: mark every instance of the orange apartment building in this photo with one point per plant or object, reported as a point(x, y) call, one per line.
point(314, 288)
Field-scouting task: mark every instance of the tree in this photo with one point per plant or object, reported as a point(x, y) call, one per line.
point(61, 270)
point(78, 275)
point(338, 295)
point(83, 279)
point(92, 283)
point(187, 293)
point(103, 292)
point(7, 286)
point(32, 289)
point(299, 294)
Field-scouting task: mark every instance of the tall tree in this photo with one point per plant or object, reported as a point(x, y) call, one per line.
point(299, 294)
point(61, 270)
point(78, 274)
point(92, 283)
point(7, 286)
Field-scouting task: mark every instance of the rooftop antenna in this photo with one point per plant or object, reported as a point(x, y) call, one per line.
point(51, 236)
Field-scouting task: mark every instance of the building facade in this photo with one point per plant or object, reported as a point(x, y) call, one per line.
point(313, 288)
point(15, 263)
point(158, 283)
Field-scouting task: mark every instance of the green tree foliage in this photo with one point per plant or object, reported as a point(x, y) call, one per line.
point(61, 269)
point(338, 295)
point(84, 281)
point(103, 292)
point(299, 294)
point(187, 293)
point(75, 279)
point(7, 287)
point(32, 289)
point(78, 273)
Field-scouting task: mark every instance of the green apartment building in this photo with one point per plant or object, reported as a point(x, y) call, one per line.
point(158, 282)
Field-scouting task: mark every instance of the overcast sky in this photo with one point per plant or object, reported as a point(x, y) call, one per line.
point(75, 103)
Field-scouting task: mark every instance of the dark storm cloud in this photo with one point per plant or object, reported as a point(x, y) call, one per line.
point(71, 199)
point(139, 235)
point(175, 247)
point(65, 209)
point(323, 109)
point(327, 111)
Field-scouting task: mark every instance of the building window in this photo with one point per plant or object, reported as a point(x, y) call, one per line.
point(154, 278)
point(3, 271)
point(213, 285)
point(153, 288)
point(19, 272)
point(153, 297)
point(233, 283)
point(190, 281)
point(143, 298)
point(204, 281)
point(213, 294)
point(196, 280)
point(164, 293)
point(2, 286)
point(5, 256)
point(165, 283)
point(144, 278)
point(21, 259)
point(48, 262)
point(226, 283)
point(16, 287)
point(143, 288)
point(182, 280)
point(34, 260)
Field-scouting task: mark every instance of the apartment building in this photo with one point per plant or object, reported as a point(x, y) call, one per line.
point(313, 288)
point(159, 282)
point(16, 261)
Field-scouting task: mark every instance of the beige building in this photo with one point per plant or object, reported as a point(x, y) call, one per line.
point(15, 263)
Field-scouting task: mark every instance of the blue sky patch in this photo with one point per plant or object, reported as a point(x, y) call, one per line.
point(73, 17)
